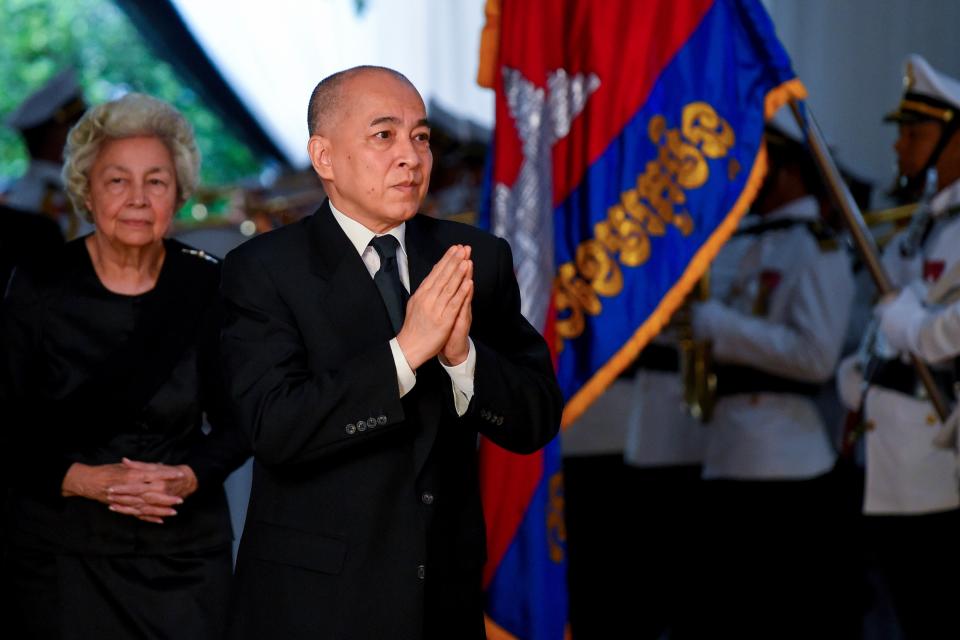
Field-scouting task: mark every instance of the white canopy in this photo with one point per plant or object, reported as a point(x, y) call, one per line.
point(273, 53)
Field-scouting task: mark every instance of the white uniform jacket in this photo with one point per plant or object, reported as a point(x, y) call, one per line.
point(781, 305)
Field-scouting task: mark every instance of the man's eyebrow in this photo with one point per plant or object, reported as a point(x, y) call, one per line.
point(385, 119)
point(395, 121)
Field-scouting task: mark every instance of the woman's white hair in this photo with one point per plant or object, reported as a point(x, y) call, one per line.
point(135, 114)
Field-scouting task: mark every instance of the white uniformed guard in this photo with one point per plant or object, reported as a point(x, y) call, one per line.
point(911, 484)
point(782, 295)
point(781, 301)
point(43, 120)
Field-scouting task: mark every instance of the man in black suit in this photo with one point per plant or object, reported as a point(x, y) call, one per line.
point(364, 407)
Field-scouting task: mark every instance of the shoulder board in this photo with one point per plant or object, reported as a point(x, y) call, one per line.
point(199, 253)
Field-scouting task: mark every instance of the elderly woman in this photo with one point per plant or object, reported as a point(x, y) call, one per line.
point(117, 521)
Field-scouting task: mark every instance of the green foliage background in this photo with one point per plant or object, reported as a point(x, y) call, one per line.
point(40, 37)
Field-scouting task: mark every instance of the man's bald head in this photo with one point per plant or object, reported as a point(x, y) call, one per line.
point(327, 97)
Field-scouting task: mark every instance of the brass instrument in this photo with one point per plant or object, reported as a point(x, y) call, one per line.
point(696, 361)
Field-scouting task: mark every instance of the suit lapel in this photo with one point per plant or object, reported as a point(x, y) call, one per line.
point(347, 293)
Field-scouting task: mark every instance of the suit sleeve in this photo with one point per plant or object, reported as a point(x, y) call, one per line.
point(225, 448)
point(517, 402)
point(293, 410)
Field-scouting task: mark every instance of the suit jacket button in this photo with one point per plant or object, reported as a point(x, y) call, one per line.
point(421, 572)
point(382, 419)
point(350, 429)
point(499, 420)
point(371, 422)
point(361, 426)
point(426, 497)
point(484, 414)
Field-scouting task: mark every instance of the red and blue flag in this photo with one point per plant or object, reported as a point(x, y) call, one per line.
point(628, 145)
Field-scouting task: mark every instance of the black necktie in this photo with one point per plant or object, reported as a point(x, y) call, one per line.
point(388, 281)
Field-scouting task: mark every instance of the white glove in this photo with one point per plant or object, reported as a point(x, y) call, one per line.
point(900, 320)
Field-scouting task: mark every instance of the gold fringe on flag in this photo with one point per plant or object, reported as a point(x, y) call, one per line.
point(496, 632)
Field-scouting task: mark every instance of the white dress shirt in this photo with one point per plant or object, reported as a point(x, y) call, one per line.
point(461, 375)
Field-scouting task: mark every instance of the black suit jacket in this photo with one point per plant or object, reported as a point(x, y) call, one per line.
point(365, 518)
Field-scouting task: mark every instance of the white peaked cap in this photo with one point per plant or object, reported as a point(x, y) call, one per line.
point(928, 93)
point(51, 101)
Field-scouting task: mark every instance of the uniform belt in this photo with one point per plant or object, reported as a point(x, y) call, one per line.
point(654, 357)
point(733, 380)
point(899, 376)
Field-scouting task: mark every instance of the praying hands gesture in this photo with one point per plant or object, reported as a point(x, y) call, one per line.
point(438, 314)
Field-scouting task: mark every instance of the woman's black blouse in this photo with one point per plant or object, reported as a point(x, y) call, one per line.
point(92, 376)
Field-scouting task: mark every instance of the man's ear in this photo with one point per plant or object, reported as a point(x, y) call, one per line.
point(318, 147)
point(953, 145)
point(949, 161)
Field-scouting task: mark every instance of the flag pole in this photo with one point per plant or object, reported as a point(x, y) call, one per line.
point(861, 237)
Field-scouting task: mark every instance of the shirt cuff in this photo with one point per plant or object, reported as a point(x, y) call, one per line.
point(461, 376)
point(406, 378)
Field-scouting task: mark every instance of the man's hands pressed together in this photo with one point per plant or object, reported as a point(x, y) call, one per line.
point(438, 313)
